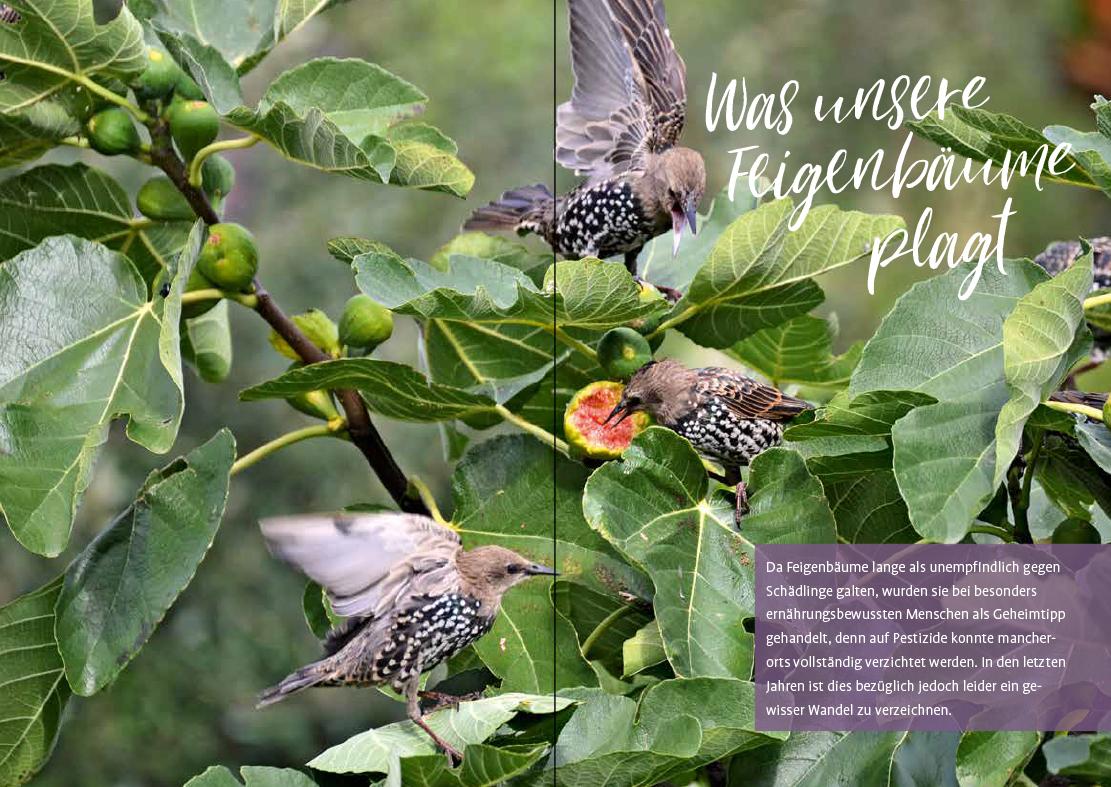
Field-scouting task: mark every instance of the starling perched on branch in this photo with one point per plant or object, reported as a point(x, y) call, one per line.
point(727, 417)
point(620, 129)
point(411, 594)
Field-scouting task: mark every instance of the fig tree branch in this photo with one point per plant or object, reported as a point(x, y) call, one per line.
point(360, 428)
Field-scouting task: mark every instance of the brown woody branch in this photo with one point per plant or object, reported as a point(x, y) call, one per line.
point(359, 426)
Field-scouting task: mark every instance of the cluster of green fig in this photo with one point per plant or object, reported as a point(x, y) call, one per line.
point(363, 326)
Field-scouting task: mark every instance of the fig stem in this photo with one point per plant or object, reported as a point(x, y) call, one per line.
point(603, 627)
point(1082, 409)
point(289, 438)
point(76, 142)
point(429, 501)
point(108, 95)
point(1097, 300)
point(991, 530)
point(216, 147)
point(212, 294)
point(574, 343)
point(541, 434)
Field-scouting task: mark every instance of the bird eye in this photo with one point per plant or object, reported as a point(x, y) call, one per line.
point(512, 568)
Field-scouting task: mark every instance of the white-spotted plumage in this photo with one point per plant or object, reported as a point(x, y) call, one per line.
point(600, 220)
point(718, 433)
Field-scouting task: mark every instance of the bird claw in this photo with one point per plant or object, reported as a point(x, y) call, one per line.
point(455, 757)
point(670, 293)
point(441, 700)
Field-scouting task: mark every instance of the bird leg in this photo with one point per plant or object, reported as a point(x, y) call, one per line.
point(670, 293)
point(441, 700)
point(412, 706)
point(733, 478)
point(631, 263)
point(742, 504)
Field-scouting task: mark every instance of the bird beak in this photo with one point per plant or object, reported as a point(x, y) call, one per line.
point(538, 570)
point(678, 219)
point(692, 218)
point(621, 408)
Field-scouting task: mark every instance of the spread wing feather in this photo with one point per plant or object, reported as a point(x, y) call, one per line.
point(747, 398)
point(366, 562)
point(630, 87)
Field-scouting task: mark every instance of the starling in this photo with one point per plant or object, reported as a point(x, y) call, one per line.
point(620, 129)
point(411, 595)
point(1059, 256)
point(727, 417)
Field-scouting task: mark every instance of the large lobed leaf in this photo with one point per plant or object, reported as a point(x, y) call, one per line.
point(1043, 338)
point(504, 491)
point(117, 591)
point(588, 294)
point(799, 351)
point(675, 727)
point(82, 201)
point(27, 134)
point(35, 690)
point(253, 776)
point(759, 273)
point(654, 506)
point(936, 344)
point(885, 759)
point(222, 24)
point(57, 44)
point(657, 263)
point(379, 750)
point(336, 115)
point(392, 389)
point(488, 325)
point(109, 353)
point(989, 136)
point(848, 447)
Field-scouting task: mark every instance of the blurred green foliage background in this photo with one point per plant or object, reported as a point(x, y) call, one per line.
point(188, 700)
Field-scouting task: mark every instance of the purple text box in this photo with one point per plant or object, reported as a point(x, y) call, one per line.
point(933, 637)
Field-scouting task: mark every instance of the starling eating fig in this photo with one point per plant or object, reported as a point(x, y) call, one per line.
point(727, 417)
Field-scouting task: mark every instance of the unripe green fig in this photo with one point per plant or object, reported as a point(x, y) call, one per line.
point(229, 257)
point(1107, 413)
point(160, 77)
point(1075, 531)
point(193, 124)
point(112, 133)
point(217, 178)
point(318, 329)
point(160, 199)
point(622, 351)
point(317, 404)
point(365, 323)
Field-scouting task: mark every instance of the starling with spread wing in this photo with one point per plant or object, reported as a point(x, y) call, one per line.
point(620, 129)
point(411, 595)
point(727, 417)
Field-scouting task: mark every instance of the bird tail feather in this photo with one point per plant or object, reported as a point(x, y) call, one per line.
point(520, 209)
point(306, 677)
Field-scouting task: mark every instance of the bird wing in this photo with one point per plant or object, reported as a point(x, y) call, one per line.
point(364, 561)
point(747, 398)
point(630, 94)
